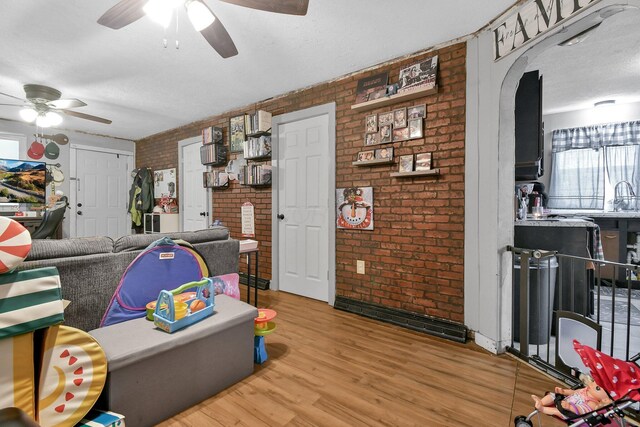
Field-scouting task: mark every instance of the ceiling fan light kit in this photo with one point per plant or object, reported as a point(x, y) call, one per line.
point(199, 14)
point(43, 105)
point(202, 18)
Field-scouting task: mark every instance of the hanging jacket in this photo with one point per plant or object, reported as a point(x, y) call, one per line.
point(141, 198)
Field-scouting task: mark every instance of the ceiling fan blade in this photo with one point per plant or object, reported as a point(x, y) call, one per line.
point(219, 38)
point(86, 116)
point(289, 7)
point(15, 105)
point(66, 103)
point(122, 14)
point(11, 96)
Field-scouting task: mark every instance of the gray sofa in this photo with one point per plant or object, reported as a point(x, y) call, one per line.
point(91, 268)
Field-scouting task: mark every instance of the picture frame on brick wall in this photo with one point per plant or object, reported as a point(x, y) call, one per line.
point(364, 156)
point(423, 161)
point(385, 119)
point(399, 118)
point(236, 134)
point(406, 163)
point(401, 134)
point(385, 134)
point(354, 206)
point(384, 153)
point(371, 123)
point(417, 112)
point(415, 128)
point(371, 139)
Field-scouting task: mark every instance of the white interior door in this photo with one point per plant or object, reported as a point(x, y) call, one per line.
point(303, 198)
point(193, 196)
point(102, 191)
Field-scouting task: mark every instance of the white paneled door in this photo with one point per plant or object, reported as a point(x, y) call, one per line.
point(303, 211)
point(102, 191)
point(195, 209)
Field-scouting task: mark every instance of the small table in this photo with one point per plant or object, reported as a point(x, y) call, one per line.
point(249, 253)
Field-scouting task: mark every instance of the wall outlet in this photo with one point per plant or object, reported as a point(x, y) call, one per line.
point(360, 267)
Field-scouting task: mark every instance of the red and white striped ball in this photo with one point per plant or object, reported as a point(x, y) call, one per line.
point(15, 244)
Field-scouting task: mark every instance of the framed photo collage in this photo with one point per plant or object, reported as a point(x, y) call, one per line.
point(401, 124)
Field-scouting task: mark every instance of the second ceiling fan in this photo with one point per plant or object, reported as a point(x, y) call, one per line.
point(201, 16)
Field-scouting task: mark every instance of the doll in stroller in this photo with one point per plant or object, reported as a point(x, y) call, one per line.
point(612, 387)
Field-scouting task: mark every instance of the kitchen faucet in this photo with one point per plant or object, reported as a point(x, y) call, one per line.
point(624, 202)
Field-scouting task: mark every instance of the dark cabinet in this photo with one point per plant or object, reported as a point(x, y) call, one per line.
point(529, 129)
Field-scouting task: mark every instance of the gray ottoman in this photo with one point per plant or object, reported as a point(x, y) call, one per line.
point(153, 375)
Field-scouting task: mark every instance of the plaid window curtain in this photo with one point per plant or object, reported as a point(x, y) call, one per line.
point(596, 137)
point(578, 163)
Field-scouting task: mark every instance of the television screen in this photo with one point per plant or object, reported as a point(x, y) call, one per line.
point(22, 181)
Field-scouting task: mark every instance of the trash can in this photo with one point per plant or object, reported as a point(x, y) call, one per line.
point(541, 295)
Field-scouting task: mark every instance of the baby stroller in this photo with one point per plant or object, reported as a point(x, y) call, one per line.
point(620, 380)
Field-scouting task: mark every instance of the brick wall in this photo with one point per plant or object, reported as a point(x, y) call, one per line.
point(414, 256)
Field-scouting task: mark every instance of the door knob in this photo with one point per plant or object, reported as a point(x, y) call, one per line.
point(79, 212)
point(280, 216)
point(79, 205)
point(203, 214)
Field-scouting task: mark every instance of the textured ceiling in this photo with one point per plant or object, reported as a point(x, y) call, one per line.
point(127, 76)
point(606, 65)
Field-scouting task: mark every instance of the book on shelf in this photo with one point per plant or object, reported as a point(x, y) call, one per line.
point(212, 135)
point(256, 174)
point(258, 122)
point(257, 147)
point(211, 154)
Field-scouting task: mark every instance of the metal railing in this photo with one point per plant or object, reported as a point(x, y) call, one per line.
point(548, 281)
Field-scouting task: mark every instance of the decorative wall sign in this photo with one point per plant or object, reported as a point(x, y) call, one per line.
point(248, 220)
point(164, 183)
point(528, 21)
point(355, 208)
point(371, 88)
point(236, 134)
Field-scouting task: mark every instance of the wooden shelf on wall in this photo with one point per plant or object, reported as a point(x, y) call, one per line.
point(415, 173)
point(372, 162)
point(393, 99)
point(266, 157)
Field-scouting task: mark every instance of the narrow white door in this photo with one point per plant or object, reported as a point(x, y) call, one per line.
point(102, 191)
point(195, 210)
point(303, 194)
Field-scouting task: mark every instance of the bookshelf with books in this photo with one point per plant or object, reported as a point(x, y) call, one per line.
point(257, 124)
point(258, 148)
point(256, 175)
point(216, 180)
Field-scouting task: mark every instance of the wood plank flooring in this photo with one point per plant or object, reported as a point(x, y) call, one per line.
point(331, 368)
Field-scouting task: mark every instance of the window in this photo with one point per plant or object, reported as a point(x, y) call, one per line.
point(589, 163)
point(9, 148)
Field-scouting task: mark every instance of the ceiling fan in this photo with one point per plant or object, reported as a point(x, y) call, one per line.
point(202, 18)
point(43, 105)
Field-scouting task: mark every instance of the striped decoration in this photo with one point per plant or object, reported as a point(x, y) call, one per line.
point(29, 300)
point(17, 383)
point(15, 244)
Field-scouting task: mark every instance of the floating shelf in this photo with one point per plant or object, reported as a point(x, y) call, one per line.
point(393, 99)
point(265, 157)
point(267, 184)
point(372, 162)
point(219, 187)
point(415, 173)
point(259, 134)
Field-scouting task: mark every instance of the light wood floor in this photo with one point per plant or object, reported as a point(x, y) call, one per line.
point(331, 368)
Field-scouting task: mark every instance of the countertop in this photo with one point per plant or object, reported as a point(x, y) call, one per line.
point(555, 222)
point(596, 214)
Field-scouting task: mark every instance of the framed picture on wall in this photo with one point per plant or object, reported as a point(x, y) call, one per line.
point(406, 163)
point(417, 112)
point(364, 156)
point(236, 134)
point(384, 153)
point(423, 161)
point(372, 139)
point(385, 134)
point(415, 128)
point(399, 118)
point(401, 134)
point(371, 124)
point(385, 119)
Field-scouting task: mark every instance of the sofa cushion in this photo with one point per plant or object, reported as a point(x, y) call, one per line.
point(65, 248)
point(135, 242)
